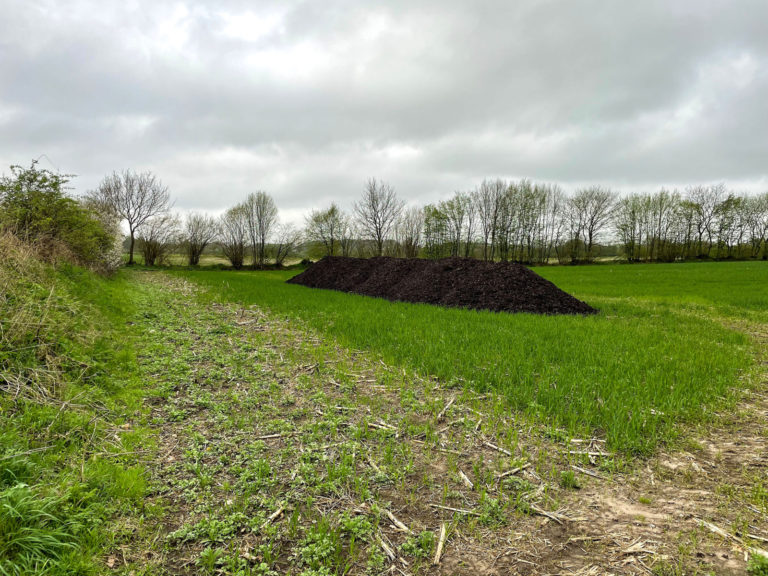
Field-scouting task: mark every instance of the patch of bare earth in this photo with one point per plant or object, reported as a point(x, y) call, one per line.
point(280, 453)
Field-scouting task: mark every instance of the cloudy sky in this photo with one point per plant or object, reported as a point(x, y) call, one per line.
point(307, 99)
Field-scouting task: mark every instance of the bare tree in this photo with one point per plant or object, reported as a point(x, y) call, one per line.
point(591, 211)
point(233, 235)
point(377, 212)
point(326, 227)
point(706, 200)
point(199, 231)
point(157, 237)
point(628, 218)
point(550, 222)
point(134, 198)
point(757, 224)
point(469, 226)
point(262, 216)
point(346, 236)
point(408, 231)
point(488, 200)
point(287, 239)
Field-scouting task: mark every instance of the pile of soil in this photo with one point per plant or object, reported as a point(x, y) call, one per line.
point(454, 282)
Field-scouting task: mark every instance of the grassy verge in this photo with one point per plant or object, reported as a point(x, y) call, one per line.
point(658, 354)
point(66, 391)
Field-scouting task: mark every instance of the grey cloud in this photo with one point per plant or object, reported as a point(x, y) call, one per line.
point(308, 99)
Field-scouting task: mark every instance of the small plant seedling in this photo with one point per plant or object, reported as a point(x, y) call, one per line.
point(419, 546)
point(757, 565)
point(569, 480)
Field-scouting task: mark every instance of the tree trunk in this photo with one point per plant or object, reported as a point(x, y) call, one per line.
point(130, 257)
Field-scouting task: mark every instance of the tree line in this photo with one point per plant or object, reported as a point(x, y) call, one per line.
point(519, 221)
point(537, 223)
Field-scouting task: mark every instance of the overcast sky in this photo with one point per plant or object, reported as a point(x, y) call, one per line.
point(306, 100)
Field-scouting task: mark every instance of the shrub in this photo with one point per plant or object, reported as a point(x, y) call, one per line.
point(35, 207)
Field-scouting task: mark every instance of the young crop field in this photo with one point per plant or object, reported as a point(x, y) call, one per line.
point(669, 346)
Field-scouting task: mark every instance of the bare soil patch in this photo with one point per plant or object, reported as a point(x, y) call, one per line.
point(451, 282)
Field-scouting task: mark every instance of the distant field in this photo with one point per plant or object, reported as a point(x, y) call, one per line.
point(662, 351)
point(207, 259)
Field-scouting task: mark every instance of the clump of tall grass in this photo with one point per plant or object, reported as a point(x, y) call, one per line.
point(37, 533)
point(33, 318)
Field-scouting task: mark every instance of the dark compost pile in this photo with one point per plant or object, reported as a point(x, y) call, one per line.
point(453, 282)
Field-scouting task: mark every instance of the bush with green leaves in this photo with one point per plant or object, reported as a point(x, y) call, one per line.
point(35, 206)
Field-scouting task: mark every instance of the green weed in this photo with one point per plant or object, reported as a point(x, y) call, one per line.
point(419, 545)
point(37, 533)
point(758, 565)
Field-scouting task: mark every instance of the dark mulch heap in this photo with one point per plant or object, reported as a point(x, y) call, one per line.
point(454, 282)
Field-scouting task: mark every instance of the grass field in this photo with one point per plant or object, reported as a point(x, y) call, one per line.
point(663, 350)
point(147, 428)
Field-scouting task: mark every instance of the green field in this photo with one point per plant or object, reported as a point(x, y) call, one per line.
point(131, 409)
point(668, 346)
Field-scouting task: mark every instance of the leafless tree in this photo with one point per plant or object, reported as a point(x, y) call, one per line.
point(706, 200)
point(287, 239)
point(377, 211)
point(134, 198)
point(199, 231)
point(157, 237)
point(628, 222)
point(550, 222)
point(347, 235)
point(262, 216)
point(233, 235)
point(408, 231)
point(757, 224)
point(327, 227)
point(469, 225)
point(488, 199)
point(591, 210)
